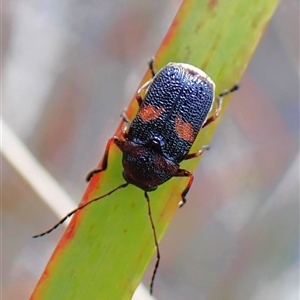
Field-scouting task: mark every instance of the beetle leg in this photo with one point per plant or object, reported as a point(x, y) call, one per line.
point(185, 173)
point(219, 104)
point(126, 124)
point(197, 154)
point(150, 65)
point(104, 160)
point(138, 96)
point(124, 117)
point(145, 86)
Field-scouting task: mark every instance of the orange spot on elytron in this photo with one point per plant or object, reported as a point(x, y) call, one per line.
point(150, 113)
point(184, 130)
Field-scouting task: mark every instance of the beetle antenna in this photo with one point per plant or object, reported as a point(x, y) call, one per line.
point(78, 208)
point(155, 242)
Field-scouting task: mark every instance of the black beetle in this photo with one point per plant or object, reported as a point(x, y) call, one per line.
point(177, 103)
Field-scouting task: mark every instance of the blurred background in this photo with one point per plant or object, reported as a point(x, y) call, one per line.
point(69, 68)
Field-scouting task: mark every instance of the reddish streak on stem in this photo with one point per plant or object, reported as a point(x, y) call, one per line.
point(171, 32)
point(212, 4)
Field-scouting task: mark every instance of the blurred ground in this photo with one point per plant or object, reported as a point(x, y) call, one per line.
point(70, 67)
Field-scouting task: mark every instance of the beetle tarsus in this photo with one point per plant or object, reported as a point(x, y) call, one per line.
point(151, 67)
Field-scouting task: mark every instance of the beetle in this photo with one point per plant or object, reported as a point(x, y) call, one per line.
point(177, 103)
